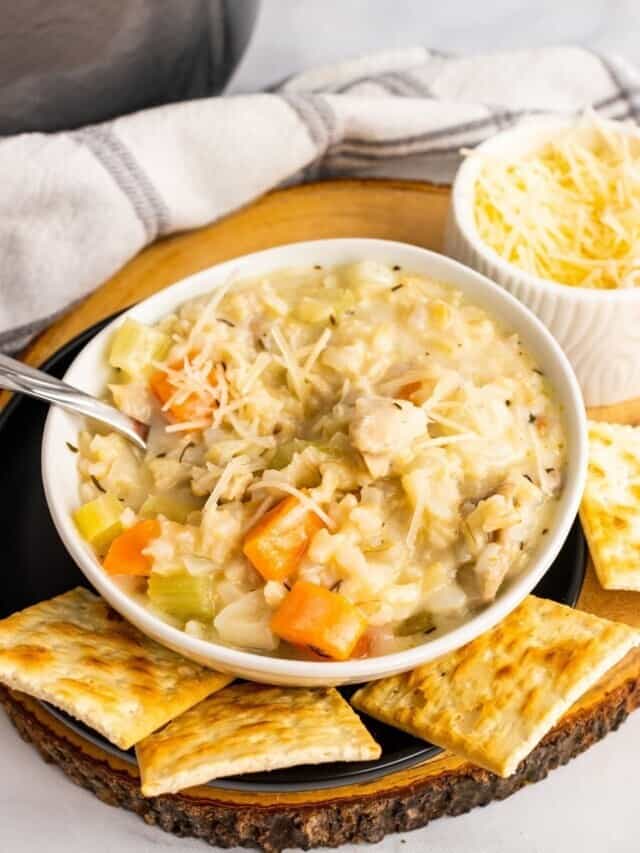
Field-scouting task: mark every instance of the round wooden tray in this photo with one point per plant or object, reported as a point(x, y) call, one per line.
point(445, 785)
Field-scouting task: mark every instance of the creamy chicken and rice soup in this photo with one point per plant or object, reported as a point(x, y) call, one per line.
point(340, 462)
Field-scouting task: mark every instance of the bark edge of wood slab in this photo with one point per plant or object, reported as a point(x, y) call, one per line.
point(331, 822)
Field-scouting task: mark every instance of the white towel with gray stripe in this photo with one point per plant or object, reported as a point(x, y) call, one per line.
point(76, 206)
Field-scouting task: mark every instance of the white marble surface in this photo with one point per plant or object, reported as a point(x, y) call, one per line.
point(590, 805)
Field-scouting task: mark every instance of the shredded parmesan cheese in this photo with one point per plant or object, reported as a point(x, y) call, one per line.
point(224, 480)
point(187, 426)
point(315, 353)
point(242, 431)
point(207, 317)
point(292, 366)
point(416, 523)
point(314, 506)
point(261, 363)
point(570, 211)
point(263, 507)
point(444, 440)
point(447, 422)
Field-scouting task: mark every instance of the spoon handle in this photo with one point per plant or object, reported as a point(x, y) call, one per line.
point(16, 376)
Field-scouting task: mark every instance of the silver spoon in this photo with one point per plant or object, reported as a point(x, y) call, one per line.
point(16, 376)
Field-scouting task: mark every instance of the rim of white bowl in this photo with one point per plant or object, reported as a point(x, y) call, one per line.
point(531, 132)
point(365, 668)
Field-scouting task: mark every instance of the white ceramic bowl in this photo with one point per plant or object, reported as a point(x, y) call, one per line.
point(599, 330)
point(89, 372)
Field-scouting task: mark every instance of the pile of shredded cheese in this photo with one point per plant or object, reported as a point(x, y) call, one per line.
point(569, 212)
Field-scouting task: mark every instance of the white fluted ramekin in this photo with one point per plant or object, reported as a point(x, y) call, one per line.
point(599, 330)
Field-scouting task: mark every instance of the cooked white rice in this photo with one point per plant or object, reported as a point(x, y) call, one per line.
point(421, 432)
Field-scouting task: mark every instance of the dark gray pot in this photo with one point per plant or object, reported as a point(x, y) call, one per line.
point(66, 63)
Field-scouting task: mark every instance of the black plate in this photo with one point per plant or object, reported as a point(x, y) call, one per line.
point(36, 566)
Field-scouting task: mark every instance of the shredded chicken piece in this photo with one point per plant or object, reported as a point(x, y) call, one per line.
point(382, 428)
point(496, 528)
point(134, 399)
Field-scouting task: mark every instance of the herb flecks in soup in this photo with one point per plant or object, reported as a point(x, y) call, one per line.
point(340, 462)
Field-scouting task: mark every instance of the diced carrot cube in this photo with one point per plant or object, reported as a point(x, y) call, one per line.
point(163, 389)
point(361, 648)
point(313, 616)
point(125, 556)
point(408, 390)
point(276, 544)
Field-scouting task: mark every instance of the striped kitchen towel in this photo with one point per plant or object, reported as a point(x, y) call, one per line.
point(76, 206)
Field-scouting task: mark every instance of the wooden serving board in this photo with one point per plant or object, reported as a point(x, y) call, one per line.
point(410, 212)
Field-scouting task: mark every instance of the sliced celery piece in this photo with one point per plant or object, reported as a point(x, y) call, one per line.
point(418, 623)
point(99, 521)
point(172, 508)
point(135, 346)
point(283, 454)
point(182, 595)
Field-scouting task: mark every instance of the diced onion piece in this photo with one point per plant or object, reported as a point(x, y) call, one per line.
point(135, 346)
point(198, 565)
point(245, 623)
point(369, 273)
